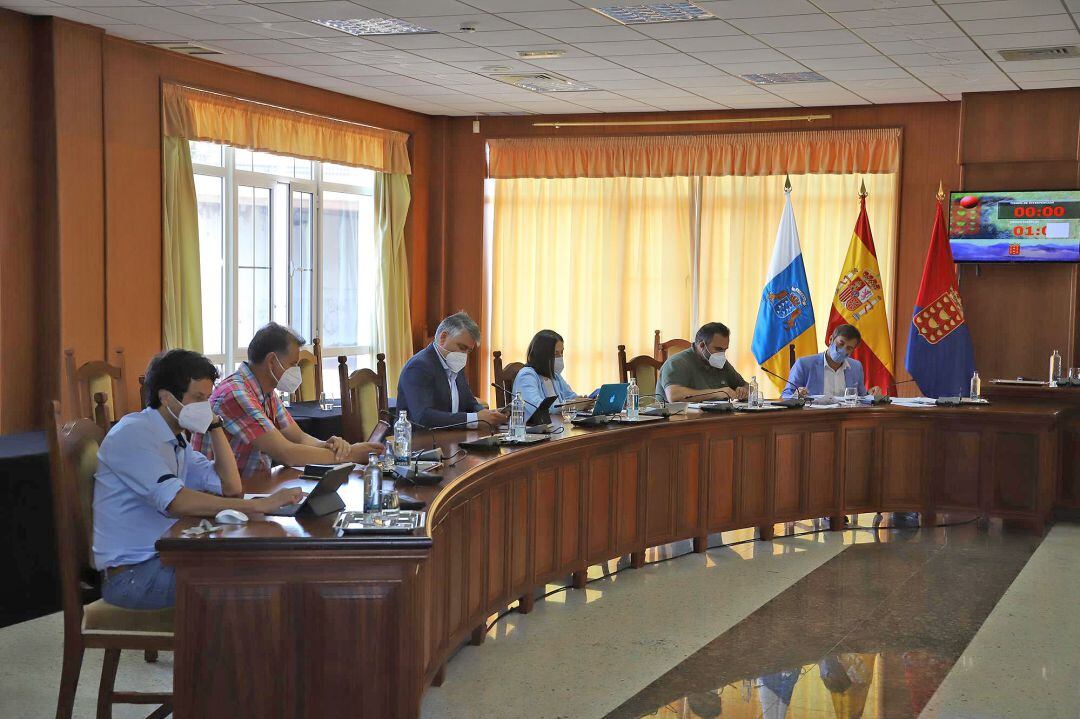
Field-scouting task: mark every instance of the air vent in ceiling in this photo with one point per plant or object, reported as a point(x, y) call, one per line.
point(783, 78)
point(1039, 53)
point(185, 48)
point(654, 12)
point(376, 26)
point(542, 82)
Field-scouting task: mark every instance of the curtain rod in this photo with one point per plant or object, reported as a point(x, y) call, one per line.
point(718, 121)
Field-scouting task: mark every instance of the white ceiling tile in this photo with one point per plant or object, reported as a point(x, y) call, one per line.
point(432, 71)
point(417, 8)
point(614, 33)
point(147, 34)
point(852, 50)
point(757, 8)
point(711, 44)
point(502, 38)
point(510, 65)
point(837, 6)
point(240, 12)
point(588, 96)
point(745, 91)
point(452, 23)
point(620, 105)
point(237, 60)
point(631, 47)
point(944, 44)
point(1003, 8)
point(671, 59)
point(296, 29)
point(703, 84)
point(826, 64)
point(640, 83)
point(501, 6)
point(861, 86)
point(261, 47)
point(743, 68)
point(787, 23)
point(940, 58)
point(658, 93)
point(354, 72)
point(546, 106)
point(702, 72)
point(563, 18)
point(946, 86)
point(1071, 74)
point(857, 74)
point(721, 56)
point(771, 102)
point(295, 74)
point(389, 81)
point(13, 4)
point(379, 57)
point(973, 71)
point(1028, 39)
point(299, 59)
point(610, 74)
point(893, 16)
point(701, 28)
point(883, 97)
point(425, 41)
point(344, 43)
point(328, 10)
point(575, 63)
point(1043, 84)
point(813, 38)
point(696, 103)
point(462, 54)
point(1005, 26)
point(910, 32)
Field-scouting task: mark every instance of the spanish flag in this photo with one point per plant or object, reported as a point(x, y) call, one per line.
point(860, 300)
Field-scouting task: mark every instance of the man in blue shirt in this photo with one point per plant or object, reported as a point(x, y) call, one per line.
point(432, 388)
point(148, 474)
point(828, 374)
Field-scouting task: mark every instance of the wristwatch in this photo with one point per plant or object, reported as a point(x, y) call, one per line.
point(216, 424)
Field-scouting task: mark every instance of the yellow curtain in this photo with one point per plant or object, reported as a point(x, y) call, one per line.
point(202, 115)
point(181, 304)
point(602, 261)
point(392, 197)
point(739, 216)
point(750, 153)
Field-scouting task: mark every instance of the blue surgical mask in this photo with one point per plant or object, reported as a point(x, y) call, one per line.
point(837, 354)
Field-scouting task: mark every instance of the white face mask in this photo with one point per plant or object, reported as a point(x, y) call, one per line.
point(290, 379)
point(718, 359)
point(195, 417)
point(456, 361)
point(559, 365)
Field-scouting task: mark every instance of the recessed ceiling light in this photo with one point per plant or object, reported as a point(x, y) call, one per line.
point(540, 54)
point(781, 78)
point(1039, 53)
point(655, 12)
point(375, 26)
point(543, 82)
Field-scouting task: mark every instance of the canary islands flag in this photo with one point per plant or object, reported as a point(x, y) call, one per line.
point(785, 316)
point(940, 355)
point(860, 300)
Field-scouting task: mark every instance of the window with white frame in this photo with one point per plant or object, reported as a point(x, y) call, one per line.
point(287, 240)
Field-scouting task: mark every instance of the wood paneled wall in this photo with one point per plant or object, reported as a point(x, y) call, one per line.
point(930, 133)
point(1020, 313)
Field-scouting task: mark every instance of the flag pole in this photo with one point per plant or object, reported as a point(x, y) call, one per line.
point(862, 190)
point(940, 191)
point(787, 183)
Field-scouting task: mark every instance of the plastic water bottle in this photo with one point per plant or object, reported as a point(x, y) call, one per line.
point(753, 395)
point(402, 438)
point(372, 485)
point(387, 461)
point(976, 386)
point(517, 417)
point(1055, 368)
point(633, 400)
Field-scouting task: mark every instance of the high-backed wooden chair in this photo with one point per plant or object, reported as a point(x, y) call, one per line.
point(310, 364)
point(661, 350)
point(97, 389)
point(504, 378)
point(98, 625)
point(363, 398)
point(643, 368)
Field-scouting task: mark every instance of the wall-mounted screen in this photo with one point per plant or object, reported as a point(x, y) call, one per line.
point(1028, 226)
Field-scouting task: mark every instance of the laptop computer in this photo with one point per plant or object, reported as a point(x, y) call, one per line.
point(323, 498)
point(610, 400)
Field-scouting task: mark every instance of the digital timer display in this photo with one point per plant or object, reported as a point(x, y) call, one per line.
point(1015, 226)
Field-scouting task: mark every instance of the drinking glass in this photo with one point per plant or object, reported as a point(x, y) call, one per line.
point(851, 396)
point(1074, 376)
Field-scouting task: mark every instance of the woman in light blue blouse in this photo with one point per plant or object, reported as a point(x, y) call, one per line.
point(541, 377)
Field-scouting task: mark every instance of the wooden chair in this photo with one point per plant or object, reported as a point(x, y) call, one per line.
point(643, 368)
point(661, 350)
point(98, 625)
point(504, 378)
point(363, 398)
point(310, 364)
point(97, 389)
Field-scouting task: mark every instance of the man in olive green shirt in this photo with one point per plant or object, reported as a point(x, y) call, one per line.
point(704, 367)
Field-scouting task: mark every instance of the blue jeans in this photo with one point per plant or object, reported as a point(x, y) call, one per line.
point(147, 585)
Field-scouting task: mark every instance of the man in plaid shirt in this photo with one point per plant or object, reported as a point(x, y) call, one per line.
point(261, 431)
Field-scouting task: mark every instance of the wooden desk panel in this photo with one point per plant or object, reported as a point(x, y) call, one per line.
point(366, 623)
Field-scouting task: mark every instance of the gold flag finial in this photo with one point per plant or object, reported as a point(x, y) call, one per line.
point(862, 189)
point(787, 183)
point(940, 191)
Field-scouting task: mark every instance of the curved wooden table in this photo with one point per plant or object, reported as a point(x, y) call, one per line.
point(284, 618)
